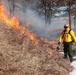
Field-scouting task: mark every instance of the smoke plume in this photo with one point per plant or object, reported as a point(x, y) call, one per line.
point(27, 11)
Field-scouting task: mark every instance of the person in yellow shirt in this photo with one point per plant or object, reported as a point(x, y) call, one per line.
point(67, 37)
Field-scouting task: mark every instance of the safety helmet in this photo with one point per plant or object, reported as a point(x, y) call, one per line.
point(66, 25)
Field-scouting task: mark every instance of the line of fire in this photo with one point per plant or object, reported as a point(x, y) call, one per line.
point(14, 22)
point(48, 5)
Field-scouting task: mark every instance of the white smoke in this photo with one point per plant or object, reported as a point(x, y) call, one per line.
point(28, 13)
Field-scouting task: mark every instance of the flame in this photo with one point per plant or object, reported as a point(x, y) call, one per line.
point(14, 22)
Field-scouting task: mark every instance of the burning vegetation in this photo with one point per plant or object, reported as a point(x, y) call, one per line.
point(14, 22)
point(21, 56)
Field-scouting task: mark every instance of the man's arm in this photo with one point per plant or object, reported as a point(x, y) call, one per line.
point(61, 36)
point(60, 40)
point(73, 35)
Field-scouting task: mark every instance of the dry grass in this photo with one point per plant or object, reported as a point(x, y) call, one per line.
point(20, 56)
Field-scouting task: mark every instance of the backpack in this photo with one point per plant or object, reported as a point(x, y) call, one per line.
point(68, 33)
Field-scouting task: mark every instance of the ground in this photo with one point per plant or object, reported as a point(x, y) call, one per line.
point(20, 56)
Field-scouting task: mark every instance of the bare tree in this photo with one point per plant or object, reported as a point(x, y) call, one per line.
point(11, 7)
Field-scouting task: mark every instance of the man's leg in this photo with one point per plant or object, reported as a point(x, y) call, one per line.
point(65, 50)
point(70, 52)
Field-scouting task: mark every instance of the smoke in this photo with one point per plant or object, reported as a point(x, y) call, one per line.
point(27, 12)
point(37, 23)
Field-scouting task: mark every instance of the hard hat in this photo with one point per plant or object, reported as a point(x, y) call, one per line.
point(66, 25)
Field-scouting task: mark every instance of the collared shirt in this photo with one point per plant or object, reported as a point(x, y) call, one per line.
point(67, 37)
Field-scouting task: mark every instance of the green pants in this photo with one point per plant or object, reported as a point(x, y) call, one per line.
point(68, 50)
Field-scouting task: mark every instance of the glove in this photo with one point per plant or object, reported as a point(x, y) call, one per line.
point(58, 47)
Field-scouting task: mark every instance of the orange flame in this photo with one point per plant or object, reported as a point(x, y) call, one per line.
point(14, 22)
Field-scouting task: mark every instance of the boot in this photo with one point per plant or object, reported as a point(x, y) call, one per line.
point(65, 56)
point(71, 59)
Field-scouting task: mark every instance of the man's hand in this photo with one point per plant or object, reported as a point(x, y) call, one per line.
point(58, 47)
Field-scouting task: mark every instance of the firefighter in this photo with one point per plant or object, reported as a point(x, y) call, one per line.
point(67, 37)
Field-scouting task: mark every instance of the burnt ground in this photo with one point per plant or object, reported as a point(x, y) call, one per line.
point(20, 56)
